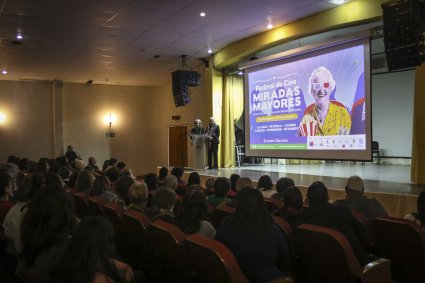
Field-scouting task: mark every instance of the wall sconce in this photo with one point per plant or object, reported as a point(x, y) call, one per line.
point(2, 117)
point(110, 119)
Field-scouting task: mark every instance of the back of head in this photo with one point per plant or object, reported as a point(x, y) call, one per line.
point(90, 251)
point(150, 180)
point(317, 194)
point(170, 181)
point(100, 185)
point(251, 216)
point(209, 183)
point(265, 183)
point(164, 199)
point(243, 183)
point(138, 194)
point(113, 174)
point(61, 161)
point(177, 172)
point(23, 163)
point(192, 210)
point(113, 161)
point(221, 186)
point(354, 186)
point(283, 183)
point(293, 198)
point(121, 165)
point(123, 186)
point(5, 183)
point(25, 189)
point(163, 172)
point(49, 219)
point(233, 179)
point(84, 181)
point(54, 179)
point(194, 179)
point(421, 207)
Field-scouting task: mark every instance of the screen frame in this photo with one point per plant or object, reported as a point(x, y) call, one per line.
point(303, 53)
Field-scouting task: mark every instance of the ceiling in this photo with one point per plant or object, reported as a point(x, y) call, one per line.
point(114, 41)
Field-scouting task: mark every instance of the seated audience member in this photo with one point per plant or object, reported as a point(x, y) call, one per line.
point(232, 191)
point(79, 164)
point(93, 164)
point(221, 188)
point(84, 181)
point(241, 184)
point(65, 173)
point(162, 205)
point(192, 216)
point(181, 184)
point(13, 219)
point(62, 162)
point(209, 186)
point(370, 208)
point(256, 242)
point(293, 204)
point(151, 181)
point(105, 165)
point(54, 179)
point(194, 179)
point(122, 187)
point(419, 215)
point(163, 172)
point(113, 174)
point(138, 197)
point(102, 188)
point(320, 212)
point(121, 166)
point(281, 185)
point(42, 165)
point(170, 181)
point(5, 194)
point(45, 231)
point(113, 162)
point(265, 183)
point(90, 256)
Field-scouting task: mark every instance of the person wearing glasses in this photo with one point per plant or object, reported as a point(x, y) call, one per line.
point(325, 117)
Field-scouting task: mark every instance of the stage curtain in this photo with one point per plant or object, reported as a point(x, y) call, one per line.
point(232, 108)
point(418, 139)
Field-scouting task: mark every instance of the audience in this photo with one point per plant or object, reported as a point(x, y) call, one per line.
point(232, 191)
point(221, 188)
point(281, 185)
point(192, 216)
point(90, 256)
point(138, 197)
point(5, 194)
point(369, 207)
point(194, 179)
point(45, 232)
point(151, 181)
point(163, 172)
point(258, 245)
point(84, 181)
point(113, 174)
point(102, 188)
point(419, 215)
point(265, 183)
point(320, 212)
point(181, 184)
point(209, 186)
point(170, 181)
point(292, 206)
point(243, 183)
point(122, 187)
point(162, 205)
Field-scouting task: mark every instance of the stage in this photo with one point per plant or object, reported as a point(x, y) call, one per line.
point(390, 184)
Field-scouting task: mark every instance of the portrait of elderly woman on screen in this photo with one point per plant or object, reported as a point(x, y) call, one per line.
point(325, 117)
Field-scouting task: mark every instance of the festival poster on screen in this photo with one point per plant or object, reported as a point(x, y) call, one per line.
point(313, 103)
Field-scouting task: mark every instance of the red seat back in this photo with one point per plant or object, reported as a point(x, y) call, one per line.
point(96, 205)
point(212, 261)
point(222, 212)
point(81, 205)
point(403, 242)
point(272, 204)
point(167, 240)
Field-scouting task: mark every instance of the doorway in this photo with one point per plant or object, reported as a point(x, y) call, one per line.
point(177, 146)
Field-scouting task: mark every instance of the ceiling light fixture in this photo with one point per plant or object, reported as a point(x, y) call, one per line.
point(202, 14)
point(269, 26)
point(19, 36)
point(4, 72)
point(209, 50)
point(336, 2)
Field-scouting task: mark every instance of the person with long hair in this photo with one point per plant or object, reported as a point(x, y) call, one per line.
point(293, 204)
point(257, 243)
point(84, 181)
point(192, 216)
point(45, 232)
point(194, 179)
point(419, 215)
point(90, 256)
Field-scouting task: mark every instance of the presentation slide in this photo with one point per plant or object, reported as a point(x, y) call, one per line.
point(317, 103)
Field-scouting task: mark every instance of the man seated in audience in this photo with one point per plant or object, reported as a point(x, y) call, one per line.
point(138, 196)
point(281, 185)
point(370, 208)
point(321, 213)
point(93, 164)
point(221, 187)
point(122, 188)
point(170, 181)
point(293, 204)
point(162, 205)
point(241, 183)
point(150, 181)
point(113, 174)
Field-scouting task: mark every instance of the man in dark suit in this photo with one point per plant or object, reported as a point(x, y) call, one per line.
point(213, 139)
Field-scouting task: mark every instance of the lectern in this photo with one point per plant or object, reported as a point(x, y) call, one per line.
point(198, 151)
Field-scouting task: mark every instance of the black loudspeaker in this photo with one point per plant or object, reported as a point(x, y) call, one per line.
point(181, 91)
point(404, 22)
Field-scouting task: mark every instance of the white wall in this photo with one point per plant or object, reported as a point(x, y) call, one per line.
point(392, 112)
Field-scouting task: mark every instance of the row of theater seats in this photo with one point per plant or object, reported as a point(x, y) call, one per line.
point(317, 254)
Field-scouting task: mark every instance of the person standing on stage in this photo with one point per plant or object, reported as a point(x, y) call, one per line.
point(213, 139)
point(197, 129)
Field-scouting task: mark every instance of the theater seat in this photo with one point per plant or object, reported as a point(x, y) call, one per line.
point(213, 262)
point(222, 212)
point(81, 205)
point(272, 204)
point(403, 242)
point(167, 240)
point(326, 256)
point(96, 205)
point(283, 225)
